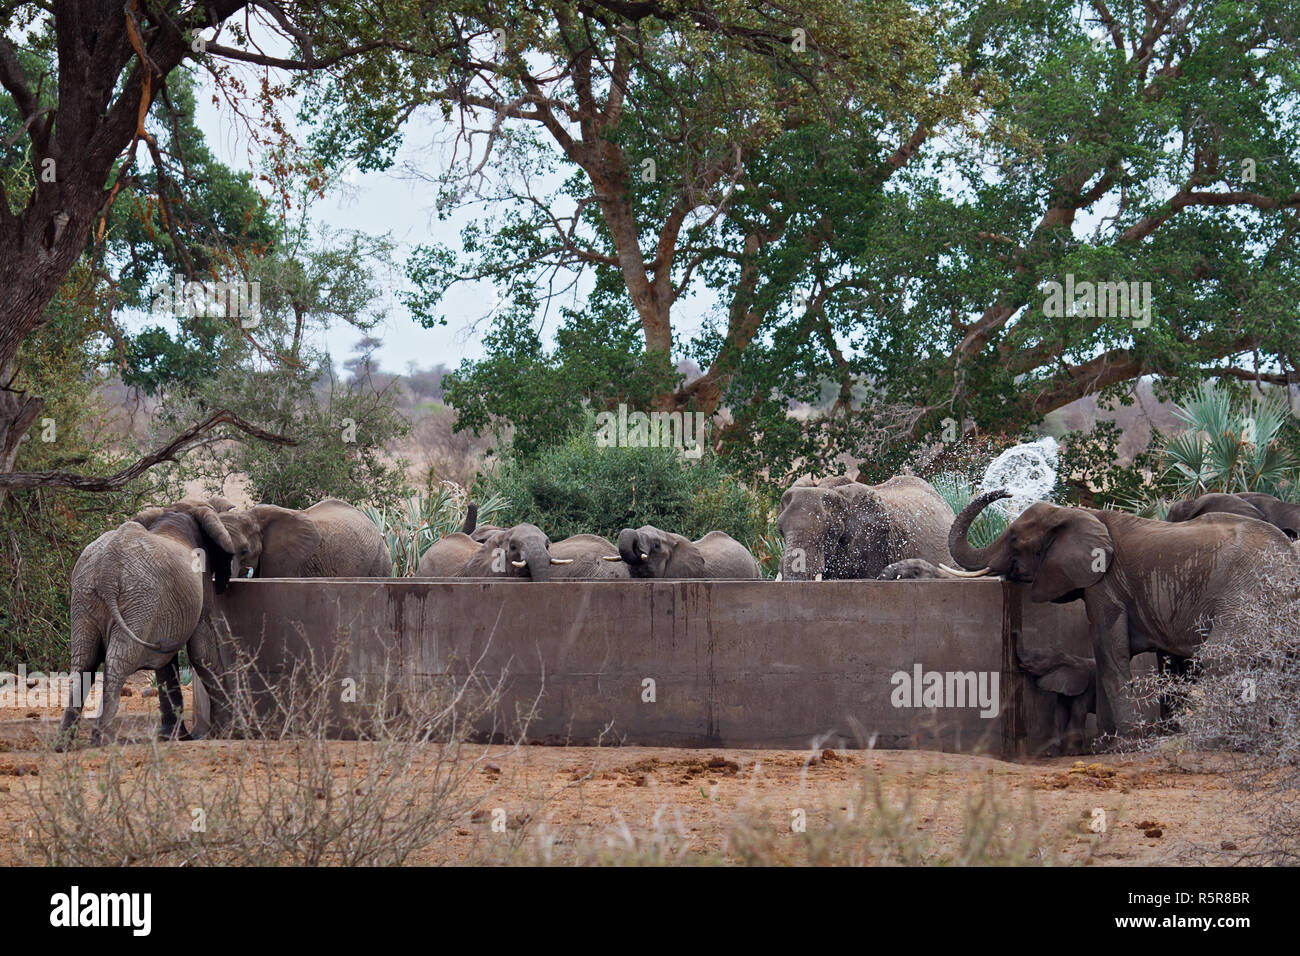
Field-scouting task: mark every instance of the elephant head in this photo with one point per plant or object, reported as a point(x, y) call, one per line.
point(522, 550)
point(219, 547)
point(1057, 551)
point(270, 541)
point(651, 553)
point(833, 532)
point(1281, 514)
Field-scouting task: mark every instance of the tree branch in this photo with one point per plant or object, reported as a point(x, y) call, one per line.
point(169, 452)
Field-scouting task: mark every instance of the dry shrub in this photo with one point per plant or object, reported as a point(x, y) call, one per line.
point(289, 792)
point(1239, 708)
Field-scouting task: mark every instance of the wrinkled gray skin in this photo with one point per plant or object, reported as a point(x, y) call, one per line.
point(1074, 682)
point(650, 552)
point(139, 594)
point(1146, 585)
point(838, 529)
point(1280, 514)
point(447, 556)
point(911, 569)
point(331, 539)
point(588, 553)
point(580, 557)
point(521, 551)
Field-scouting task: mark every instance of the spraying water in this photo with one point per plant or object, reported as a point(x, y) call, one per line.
point(1027, 471)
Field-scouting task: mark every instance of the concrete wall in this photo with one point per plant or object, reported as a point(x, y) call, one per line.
point(734, 663)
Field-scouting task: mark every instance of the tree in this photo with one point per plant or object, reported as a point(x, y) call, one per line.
point(80, 88)
point(892, 274)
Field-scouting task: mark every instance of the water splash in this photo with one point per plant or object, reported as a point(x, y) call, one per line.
point(1027, 471)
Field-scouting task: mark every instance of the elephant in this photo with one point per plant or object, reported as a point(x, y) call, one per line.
point(649, 552)
point(593, 559)
point(521, 551)
point(331, 539)
point(915, 569)
point(447, 556)
point(139, 594)
point(1146, 585)
point(1282, 515)
point(840, 529)
point(1073, 681)
point(1213, 503)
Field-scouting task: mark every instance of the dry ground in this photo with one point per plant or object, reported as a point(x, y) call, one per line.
point(601, 800)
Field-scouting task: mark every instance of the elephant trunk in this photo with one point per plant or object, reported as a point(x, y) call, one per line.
point(539, 563)
point(968, 556)
point(630, 548)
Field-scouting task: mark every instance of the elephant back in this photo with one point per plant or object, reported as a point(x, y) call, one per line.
point(919, 519)
point(350, 547)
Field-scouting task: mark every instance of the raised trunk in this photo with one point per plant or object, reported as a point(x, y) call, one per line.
point(969, 557)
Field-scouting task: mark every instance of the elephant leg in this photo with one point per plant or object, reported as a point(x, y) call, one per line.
point(205, 658)
point(118, 666)
point(87, 655)
point(170, 702)
point(1060, 719)
point(1078, 719)
point(1110, 645)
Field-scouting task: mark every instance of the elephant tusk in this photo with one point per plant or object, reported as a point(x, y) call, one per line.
point(520, 564)
point(613, 557)
point(249, 574)
point(778, 575)
point(644, 556)
point(818, 578)
point(957, 572)
point(561, 560)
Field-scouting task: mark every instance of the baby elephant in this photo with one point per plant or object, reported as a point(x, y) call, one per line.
point(919, 569)
point(1074, 682)
point(651, 553)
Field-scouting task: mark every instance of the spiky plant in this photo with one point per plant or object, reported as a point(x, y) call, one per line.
point(958, 491)
point(414, 524)
point(1229, 446)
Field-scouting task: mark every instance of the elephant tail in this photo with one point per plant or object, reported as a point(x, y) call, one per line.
point(111, 601)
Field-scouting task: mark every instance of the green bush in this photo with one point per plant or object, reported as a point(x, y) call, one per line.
point(576, 487)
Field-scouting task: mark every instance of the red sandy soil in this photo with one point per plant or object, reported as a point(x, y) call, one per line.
point(593, 800)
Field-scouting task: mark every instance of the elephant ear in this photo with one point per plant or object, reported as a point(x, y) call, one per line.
point(1076, 555)
point(1069, 679)
point(1180, 511)
point(289, 538)
point(686, 560)
point(217, 544)
point(148, 516)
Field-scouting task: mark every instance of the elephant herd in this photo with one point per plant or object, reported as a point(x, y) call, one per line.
point(145, 590)
point(524, 551)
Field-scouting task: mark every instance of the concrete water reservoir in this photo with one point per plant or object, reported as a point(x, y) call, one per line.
point(754, 664)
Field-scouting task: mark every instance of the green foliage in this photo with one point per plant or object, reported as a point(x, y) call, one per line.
point(42, 531)
point(1232, 444)
point(577, 487)
point(342, 429)
point(410, 526)
point(537, 395)
point(1091, 475)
